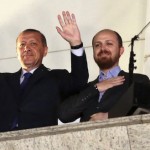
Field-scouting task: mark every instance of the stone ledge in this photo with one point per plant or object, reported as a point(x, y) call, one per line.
point(131, 131)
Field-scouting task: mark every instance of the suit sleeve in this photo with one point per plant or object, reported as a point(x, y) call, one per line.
point(79, 71)
point(72, 108)
point(142, 93)
point(71, 83)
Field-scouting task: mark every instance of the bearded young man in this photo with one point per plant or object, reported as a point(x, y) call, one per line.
point(104, 97)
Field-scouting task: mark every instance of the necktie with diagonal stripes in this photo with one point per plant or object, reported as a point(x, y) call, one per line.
point(25, 81)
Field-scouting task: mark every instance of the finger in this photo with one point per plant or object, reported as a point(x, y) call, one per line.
point(60, 31)
point(92, 119)
point(69, 19)
point(73, 18)
point(93, 115)
point(65, 17)
point(119, 78)
point(60, 21)
point(117, 83)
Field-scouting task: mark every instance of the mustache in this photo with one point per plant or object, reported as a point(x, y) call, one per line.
point(28, 53)
point(104, 52)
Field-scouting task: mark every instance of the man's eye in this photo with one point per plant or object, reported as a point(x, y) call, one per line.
point(97, 45)
point(33, 44)
point(109, 43)
point(22, 45)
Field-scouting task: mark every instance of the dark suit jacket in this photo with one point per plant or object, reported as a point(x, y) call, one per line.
point(117, 101)
point(37, 106)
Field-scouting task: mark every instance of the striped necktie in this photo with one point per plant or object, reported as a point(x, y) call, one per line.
point(23, 85)
point(25, 81)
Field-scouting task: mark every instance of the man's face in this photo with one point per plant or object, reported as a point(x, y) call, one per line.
point(30, 50)
point(106, 49)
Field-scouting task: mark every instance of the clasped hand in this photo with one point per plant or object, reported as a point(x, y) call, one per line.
point(103, 86)
point(109, 83)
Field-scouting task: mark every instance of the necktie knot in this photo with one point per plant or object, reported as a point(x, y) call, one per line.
point(27, 75)
point(25, 81)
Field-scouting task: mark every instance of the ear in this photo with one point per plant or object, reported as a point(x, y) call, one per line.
point(17, 53)
point(45, 51)
point(121, 50)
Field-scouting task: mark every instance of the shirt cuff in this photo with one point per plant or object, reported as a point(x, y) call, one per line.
point(78, 52)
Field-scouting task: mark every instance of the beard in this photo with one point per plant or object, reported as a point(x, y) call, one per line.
point(105, 61)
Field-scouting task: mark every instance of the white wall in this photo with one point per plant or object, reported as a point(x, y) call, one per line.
point(146, 66)
point(125, 16)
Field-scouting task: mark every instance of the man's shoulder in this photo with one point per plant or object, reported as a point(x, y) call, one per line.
point(56, 73)
point(122, 72)
point(9, 74)
point(138, 77)
point(141, 77)
point(44, 68)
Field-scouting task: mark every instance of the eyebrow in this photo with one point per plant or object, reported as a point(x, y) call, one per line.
point(105, 40)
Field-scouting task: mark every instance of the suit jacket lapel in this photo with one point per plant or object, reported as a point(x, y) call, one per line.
point(94, 82)
point(14, 83)
point(38, 73)
point(124, 103)
point(112, 95)
point(15, 80)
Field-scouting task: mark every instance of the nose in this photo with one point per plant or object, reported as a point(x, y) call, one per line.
point(27, 48)
point(103, 47)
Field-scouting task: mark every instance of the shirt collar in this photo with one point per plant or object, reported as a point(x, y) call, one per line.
point(24, 71)
point(111, 73)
